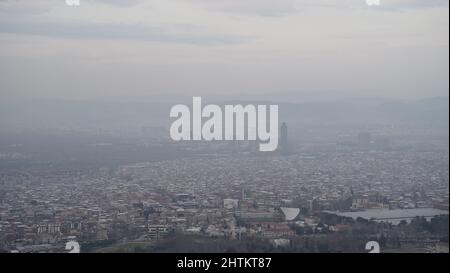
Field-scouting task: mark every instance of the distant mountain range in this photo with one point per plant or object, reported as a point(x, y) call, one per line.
point(53, 113)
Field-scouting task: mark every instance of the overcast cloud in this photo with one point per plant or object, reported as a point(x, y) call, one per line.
point(209, 47)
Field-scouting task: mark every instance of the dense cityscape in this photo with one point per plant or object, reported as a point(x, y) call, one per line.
point(231, 198)
point(218, 135)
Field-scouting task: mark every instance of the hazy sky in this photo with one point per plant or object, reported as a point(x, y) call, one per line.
point(205, 47)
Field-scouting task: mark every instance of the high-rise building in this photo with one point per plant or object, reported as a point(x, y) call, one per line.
point(283, 143)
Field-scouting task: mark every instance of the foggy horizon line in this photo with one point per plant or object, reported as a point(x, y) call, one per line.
point(286, 98)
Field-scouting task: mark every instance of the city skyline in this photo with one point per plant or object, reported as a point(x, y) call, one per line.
point(224, 126)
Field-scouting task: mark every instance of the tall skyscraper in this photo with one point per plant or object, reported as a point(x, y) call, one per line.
point(283, 144)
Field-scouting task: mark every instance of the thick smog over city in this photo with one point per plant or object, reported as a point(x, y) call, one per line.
point(224, 126)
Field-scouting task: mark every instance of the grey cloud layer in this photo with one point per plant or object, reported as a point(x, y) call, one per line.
point(285, 7)
point(143, 47)
point(79, 30)
point(118, 2)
